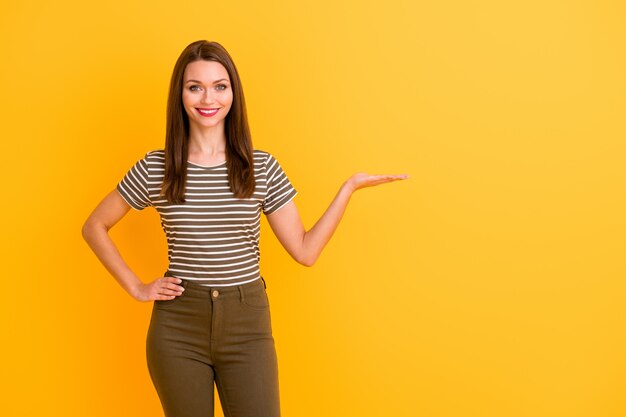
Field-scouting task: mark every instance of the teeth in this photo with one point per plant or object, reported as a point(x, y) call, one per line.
point(207, 111)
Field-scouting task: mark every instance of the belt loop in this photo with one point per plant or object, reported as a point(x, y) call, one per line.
point(240, 293)
point(264, 285)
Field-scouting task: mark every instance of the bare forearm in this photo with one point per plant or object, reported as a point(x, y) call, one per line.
point(316, 239)
point(98, 239)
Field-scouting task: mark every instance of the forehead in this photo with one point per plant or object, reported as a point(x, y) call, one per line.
point(205, 71)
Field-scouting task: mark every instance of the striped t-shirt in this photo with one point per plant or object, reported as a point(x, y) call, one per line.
point(212, 238)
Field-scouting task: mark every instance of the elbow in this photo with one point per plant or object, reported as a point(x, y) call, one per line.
point(89, 228)
point(305, 255)
point(85, 231)
point(306, 260)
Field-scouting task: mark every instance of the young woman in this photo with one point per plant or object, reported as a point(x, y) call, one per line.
point(210, 318)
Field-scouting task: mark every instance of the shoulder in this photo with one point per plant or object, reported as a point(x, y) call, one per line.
point(156, 154)
point(155, 157)
point(261, 156)
point(152, 162)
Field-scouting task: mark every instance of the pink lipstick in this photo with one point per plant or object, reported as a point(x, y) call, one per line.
point(207, 112)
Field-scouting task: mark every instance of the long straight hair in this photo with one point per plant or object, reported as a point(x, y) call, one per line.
point(239, 151)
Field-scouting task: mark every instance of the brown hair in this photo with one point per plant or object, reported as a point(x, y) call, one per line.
point(239, 151)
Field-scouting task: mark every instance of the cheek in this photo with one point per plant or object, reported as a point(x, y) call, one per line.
point(229, 99)
point(187, 99)
point(188, 106)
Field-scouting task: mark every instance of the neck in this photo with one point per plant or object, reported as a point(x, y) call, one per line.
point(208, 142)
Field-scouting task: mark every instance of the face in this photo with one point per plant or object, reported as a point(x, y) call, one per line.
point(207, 94)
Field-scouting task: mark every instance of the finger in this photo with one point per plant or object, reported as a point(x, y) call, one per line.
point(394, 176)
point(379, 179)
point(162, 296)
point(165, 294)
point(166, 288)
point(170, 282)
point(174, 289)
point(165, 297)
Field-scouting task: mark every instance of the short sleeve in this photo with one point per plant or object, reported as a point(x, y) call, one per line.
point(280, 191)
point(134, 186)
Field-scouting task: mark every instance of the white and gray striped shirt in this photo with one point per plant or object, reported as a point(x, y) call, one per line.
point(212, 238)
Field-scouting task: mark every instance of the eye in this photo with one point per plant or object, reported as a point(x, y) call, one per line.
point(194, 86)
point(222, 85)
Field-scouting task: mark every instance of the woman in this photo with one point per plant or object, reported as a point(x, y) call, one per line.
point(210, 318)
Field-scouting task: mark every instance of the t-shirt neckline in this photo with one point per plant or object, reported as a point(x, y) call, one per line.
point(206, 166)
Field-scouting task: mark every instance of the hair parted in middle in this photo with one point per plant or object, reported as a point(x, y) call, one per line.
point(239, 150)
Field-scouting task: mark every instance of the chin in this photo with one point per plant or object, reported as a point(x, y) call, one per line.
point(209, 123)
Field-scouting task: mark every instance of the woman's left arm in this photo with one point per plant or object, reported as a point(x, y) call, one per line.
point(306, 246)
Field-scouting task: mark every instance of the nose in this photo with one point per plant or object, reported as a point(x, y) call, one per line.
point(206, 96)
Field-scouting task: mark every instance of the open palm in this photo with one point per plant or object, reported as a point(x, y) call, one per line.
point(362, 180)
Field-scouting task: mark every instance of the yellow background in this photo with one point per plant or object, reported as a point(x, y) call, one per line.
point(490, 283)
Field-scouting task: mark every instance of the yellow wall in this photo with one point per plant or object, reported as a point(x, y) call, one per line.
point(491, 283)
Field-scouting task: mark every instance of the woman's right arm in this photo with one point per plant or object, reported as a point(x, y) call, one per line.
point(95, 232)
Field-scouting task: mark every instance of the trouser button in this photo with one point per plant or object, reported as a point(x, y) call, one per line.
point(216, 293)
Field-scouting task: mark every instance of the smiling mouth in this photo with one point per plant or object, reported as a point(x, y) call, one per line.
point(207, 112)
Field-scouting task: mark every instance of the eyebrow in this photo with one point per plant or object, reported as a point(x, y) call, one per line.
point(199, 82)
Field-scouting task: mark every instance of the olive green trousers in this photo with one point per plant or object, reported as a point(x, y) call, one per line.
point(220, 335)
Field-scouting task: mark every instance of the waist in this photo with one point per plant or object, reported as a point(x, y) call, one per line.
point(207, 285)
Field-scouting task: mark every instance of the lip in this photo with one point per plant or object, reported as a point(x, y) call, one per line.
point(214, 112)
